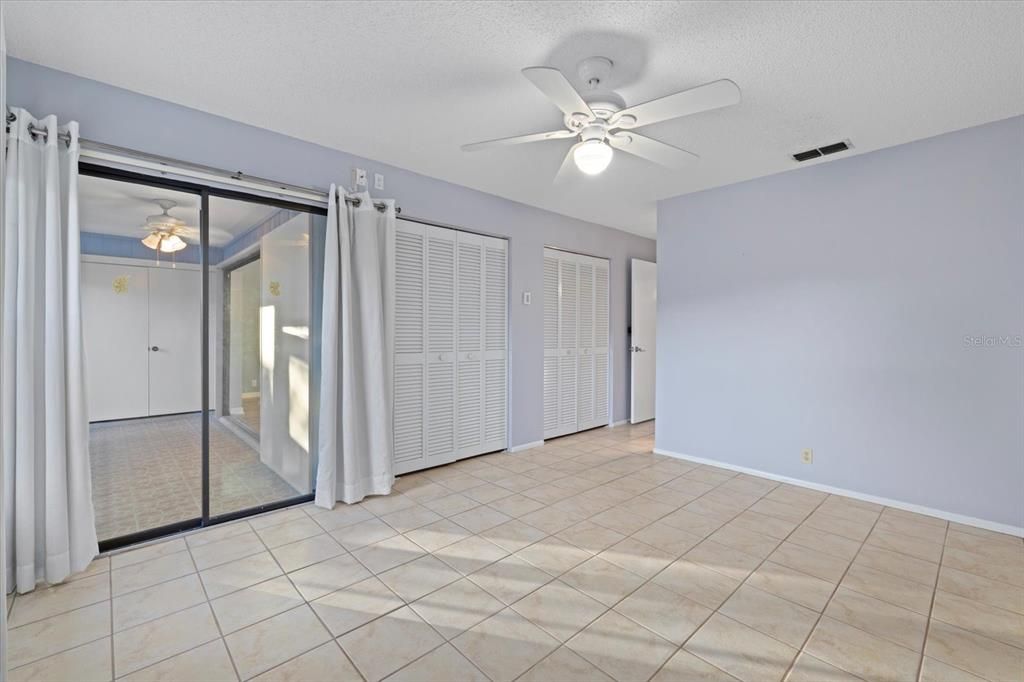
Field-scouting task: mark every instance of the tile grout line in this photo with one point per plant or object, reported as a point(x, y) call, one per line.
point(931, 605)
point(646, 580)
point(209, 605)
point(171, 613)
point(821, 614)
point(651, 579)
point(511, 606)
point(305, 602)
point(738, 586)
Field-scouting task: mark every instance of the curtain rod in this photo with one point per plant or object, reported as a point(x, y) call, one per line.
point(41, 132)
point(107, 152)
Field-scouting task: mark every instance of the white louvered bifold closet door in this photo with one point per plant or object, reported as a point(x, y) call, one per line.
point(451, 348)
point(567, 343)
point(469, 427)
point(441, 346)
point(552, 353)
point(585, 356)
point(410, 346)
point(495, 402)
point(585, 373)
point(602, 379)
point(575, 342)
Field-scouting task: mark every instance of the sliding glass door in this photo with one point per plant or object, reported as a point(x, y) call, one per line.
point(261, 428)
point(201, 319)
point(141, 279)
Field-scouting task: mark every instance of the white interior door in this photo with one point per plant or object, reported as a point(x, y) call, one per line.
point(643, 307)
point(575, 342)
point(602, 378)
point(175, 364)
point(585, 344)
point(115, 312)
point(568, 344)
point(495, 402)
point(284, 351)
point(450, 320)
point(410, 345)
point(440, 394)
point(552, 352)
point(469, 350)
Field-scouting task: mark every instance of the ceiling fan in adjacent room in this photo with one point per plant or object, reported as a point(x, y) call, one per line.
point(166, 231)
point(601, 123)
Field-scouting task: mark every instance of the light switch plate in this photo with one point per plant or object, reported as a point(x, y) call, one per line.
point(527, 296)
point(359, 177)
point(378, 181)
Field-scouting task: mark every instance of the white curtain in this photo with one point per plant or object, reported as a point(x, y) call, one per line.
point(355, 448)
point(48, 513)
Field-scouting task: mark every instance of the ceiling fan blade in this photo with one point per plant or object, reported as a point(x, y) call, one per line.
point(518, 139)
point(712, 95)
point(652, 150)
point(558, 89)
point(565, 171)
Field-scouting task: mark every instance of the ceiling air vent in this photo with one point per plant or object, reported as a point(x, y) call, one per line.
point(821, 151)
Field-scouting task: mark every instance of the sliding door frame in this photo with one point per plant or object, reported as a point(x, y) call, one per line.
point(204, 192)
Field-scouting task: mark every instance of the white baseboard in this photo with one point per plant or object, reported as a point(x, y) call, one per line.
point(618, 423)
point(897, 504)
point(237, 411)
point(251, 394)
point(526, 446)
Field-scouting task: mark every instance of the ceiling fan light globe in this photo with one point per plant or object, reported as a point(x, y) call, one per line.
point(172, 244)
point(592, 157)
point(152, 240)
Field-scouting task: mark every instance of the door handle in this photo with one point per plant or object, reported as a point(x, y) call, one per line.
point(155, 348)
point(637, 349)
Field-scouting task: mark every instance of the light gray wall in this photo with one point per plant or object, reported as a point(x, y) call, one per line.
point(828, 307)
point(128, 119)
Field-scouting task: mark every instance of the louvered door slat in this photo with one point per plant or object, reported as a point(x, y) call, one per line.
point(568, 343)
point(602, 414)
point(469, 412)
point(585, 364)
point(552, 351)
point(495, 403)
point(409, 389)
point(441, 396)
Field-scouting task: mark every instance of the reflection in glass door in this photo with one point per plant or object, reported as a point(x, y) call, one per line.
point(240, 371)
point(261, 430)
point(141, 312)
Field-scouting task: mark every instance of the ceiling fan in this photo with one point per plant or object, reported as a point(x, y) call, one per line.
point(166, 231)
point(601, 123)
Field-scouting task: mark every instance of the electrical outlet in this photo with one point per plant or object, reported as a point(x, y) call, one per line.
point(359, 177)
point(807, 456)
point(253, 383)
point(527, 296)
point(378, 181)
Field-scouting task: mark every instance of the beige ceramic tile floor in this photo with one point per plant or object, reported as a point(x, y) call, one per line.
point(587, 559)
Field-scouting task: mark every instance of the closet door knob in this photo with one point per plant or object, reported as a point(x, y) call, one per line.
point(155, 348)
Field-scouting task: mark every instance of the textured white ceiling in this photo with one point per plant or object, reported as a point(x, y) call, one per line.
point(120, 208)
point(407, 82)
